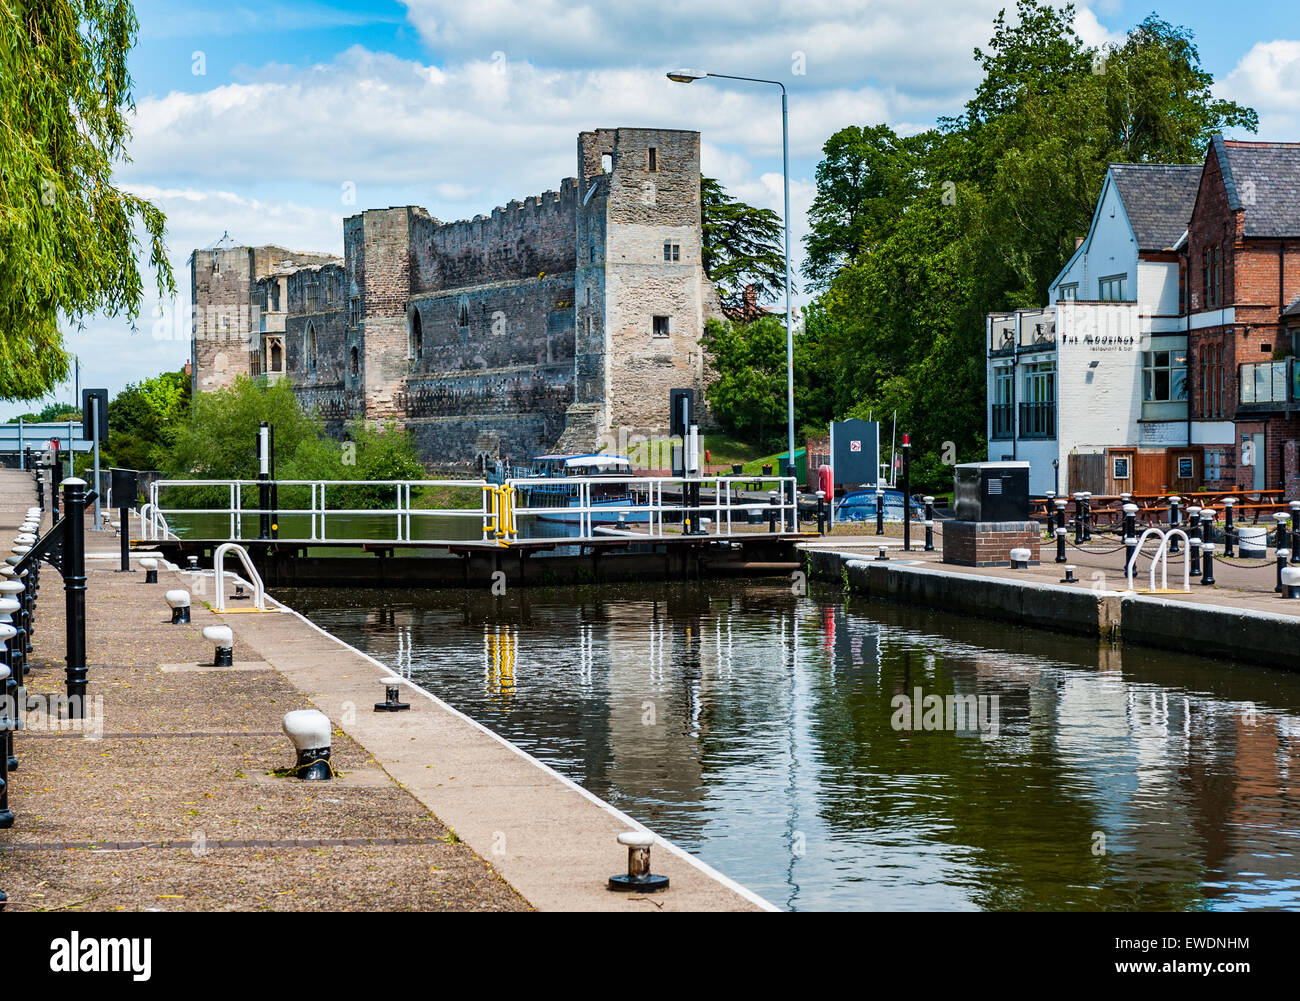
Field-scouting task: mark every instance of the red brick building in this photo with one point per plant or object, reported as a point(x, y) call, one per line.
point(1240, 278)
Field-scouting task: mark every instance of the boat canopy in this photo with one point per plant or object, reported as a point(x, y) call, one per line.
point(598, 463)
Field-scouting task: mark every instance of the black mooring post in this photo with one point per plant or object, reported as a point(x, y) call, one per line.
point(74, 591)
point(1078, 519)
point(123, 528)
point(929, 524)
point(1228, 542)
point(880, 510)
point(907, 493)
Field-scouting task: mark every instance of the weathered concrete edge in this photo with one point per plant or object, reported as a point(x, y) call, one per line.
point(703, 867)
point(1047, 606)
point(1237, 634)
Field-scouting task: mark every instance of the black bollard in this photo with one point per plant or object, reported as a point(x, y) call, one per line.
point(1295, 531)
point(1207, 559)
point(1051, 509)
point(1060, 545)
point(929, 524)
point(1078, 519)
point(1130, 533)
point(1207, 526)
point(74, 591)
point(1175, 520)
point(880, 511)
point(1229, 543)
point(1194, 542)
point(1087, 516)
point(771, 511)
point(6, 727)
point(1283, 555)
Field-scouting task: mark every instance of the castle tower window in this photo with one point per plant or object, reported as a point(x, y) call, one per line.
point(354, 361)
point(672, 251)
point(663, 326)
point(463, 317)
point(310, 351)
point(607, 163)
point(277, 356)
point(652, 158)
point(415, 337)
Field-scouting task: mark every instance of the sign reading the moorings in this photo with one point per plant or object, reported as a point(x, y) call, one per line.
point(855, 451)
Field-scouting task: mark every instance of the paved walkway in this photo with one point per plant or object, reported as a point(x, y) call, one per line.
point(172, 805)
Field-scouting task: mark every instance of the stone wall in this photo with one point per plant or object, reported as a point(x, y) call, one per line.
point(480, 334)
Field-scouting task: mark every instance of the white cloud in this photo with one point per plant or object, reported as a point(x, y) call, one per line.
point(1268, 79)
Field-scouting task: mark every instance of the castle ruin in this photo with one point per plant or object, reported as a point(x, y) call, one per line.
point(554, 322)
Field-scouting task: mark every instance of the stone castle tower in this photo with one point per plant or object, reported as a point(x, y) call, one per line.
point(552, 323)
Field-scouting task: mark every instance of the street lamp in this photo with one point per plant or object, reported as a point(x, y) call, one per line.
point(690, 76)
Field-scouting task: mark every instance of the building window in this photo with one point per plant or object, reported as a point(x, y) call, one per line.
point(1069, 292)
point(1263, 382)
point(354, 360)
point(310, 351)
point(353, 310)
point(415, 337)
point(1164, 376)
point(672, 251)
point(1003, 424)
point(1119, 467)
point(1038, 409)
point(1216, 278)
point(277, 355)
point(663, 326)
point(652, 159)
point(462, 317)
point(1113, 288)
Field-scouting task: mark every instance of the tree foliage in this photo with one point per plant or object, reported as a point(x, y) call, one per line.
point(68, 237)
point(741, 247)
point(748, 395)
point(914, 239)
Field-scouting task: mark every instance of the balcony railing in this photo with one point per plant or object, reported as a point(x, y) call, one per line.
point(1264, 382)
point(1004, 421)
point(1038, 420)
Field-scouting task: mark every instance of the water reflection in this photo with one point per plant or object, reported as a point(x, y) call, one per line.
point(759, 730)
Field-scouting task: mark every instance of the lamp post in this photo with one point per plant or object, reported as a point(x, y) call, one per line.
point(690, 76)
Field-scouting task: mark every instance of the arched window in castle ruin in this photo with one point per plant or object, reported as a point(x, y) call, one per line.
point(277, 356)
point(310, 350)
point(463, 318)
point(354, 361)
point(415, 337)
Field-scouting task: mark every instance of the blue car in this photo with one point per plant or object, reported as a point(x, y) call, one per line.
point(860, 505)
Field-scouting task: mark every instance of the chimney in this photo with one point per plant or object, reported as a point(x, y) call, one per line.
point(751, 301)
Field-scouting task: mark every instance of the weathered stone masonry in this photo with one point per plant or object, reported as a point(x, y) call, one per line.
point(559, 318)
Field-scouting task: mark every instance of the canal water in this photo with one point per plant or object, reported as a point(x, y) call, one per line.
point(765, 732)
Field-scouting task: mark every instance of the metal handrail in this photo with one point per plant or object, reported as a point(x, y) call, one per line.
point(254, 578)
point(499, 510)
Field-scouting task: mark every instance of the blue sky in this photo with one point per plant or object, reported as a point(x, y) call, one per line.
point(274, 121)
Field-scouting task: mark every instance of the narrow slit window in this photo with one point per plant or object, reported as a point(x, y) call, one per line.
point(652, 159)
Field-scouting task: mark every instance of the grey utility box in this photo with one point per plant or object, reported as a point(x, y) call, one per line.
point(991, 491)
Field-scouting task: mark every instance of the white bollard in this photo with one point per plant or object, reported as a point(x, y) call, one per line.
point(225, 641)
point(309, 730)
point(179, 602)
point(1020, 559)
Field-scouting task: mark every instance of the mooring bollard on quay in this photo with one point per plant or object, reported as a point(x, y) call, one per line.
point(63, 547)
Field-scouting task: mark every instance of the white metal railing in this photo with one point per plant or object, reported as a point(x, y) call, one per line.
point(318, 513)
point(219, 572)
point(721, 500)
point(653, 501)
point(1161, 559)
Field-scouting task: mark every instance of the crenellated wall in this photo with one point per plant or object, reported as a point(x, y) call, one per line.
point(480, 335)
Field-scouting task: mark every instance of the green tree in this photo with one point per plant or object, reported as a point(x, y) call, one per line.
point(141, 419)
point(747, 395)
point(913, 244)
point(741, 248)
point(865, 181)
point(68, 241)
